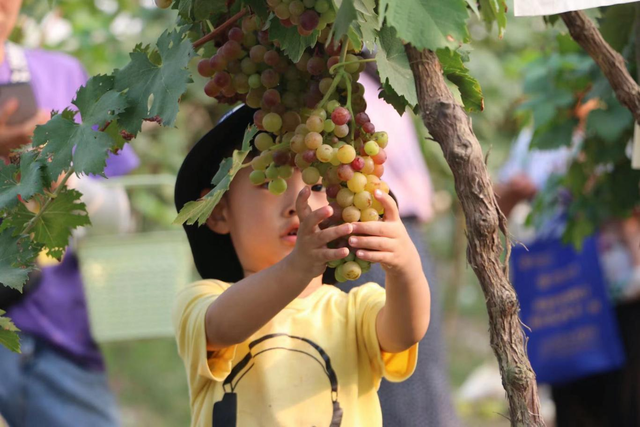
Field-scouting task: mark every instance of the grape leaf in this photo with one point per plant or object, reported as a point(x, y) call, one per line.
point(198, 10)
point(366, 7)
point(30, 180)
point(259, 7)
point(427, 24)
point(141, 79)
point(393, 65)
point(8, 336)
point(64, 139)
point(494, 10)
point(53, 228)
point(616, 24)
point(368, 30)
point(391, 97)
point(473, 5)
point(201, 209)
point(454, 69)
point(16, 259)
point(345, 17)
point(292, 43)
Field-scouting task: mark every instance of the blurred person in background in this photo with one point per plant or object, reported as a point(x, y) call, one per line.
point(424, 400)
point(602, 399)
point(59, 378)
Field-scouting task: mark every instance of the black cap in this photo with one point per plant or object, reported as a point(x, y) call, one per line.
point(213, 253)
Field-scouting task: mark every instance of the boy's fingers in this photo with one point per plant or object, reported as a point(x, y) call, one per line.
point(372, 242)
point(302, 206)
point(332, 233)
point(371, 228)
point(390, 207)
point(375, 256)
point(332, 254)
point(316, 217)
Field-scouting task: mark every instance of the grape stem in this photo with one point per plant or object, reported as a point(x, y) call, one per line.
point(32, 221)
point(221, 28)
point(347, 78)
point(359, 61)
point(336, 79)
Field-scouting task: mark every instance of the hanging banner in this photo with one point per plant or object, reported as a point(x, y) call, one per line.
point(564, 302)
point(552, 7)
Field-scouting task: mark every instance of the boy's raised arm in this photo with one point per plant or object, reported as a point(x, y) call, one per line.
point(404, 319)
point(250, 303)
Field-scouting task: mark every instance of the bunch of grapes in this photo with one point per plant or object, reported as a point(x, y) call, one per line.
point(306, 15)
point(311, 115)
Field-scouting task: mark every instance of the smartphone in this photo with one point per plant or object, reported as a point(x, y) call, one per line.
point(27, 107)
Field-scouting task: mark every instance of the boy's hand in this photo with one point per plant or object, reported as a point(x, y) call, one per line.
point(387, 241)
point(311, 253)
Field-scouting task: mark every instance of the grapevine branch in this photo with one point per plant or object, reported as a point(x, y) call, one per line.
point(612, 64)
point(451, 128)
point(220, 29)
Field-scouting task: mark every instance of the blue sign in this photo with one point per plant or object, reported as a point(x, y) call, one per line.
point(564, 301)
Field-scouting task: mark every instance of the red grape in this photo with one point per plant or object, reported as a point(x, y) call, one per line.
point(316, 66)
point(309, 156)
point(218, 62)
point(340, 116)
point(357, 164)
point(280, 157)
point(204, 68)
point(309, 20)
point(345, 172)
point(368, 127)
point(271, 58)
point(222, 79)
point(257, 53)
point(211, 89)
point(236, 34)
point(332, 190)
point(362, 118)
point(269, 78)
point(380, 158)
point(271, 98)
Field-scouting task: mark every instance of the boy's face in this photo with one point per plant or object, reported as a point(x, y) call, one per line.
point(263, 226)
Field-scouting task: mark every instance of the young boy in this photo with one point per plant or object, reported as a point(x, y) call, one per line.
point(264, 341)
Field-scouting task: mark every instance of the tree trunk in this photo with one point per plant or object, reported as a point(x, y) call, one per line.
point(449, 125)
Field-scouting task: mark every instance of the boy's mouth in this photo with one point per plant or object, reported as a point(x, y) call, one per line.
point(291, 235)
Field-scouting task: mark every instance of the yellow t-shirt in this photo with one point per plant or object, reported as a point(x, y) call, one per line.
point(316, 363)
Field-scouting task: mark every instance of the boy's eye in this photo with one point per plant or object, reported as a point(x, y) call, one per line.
point(317, 187)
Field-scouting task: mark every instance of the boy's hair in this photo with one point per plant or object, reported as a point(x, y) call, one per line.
point(213, 253)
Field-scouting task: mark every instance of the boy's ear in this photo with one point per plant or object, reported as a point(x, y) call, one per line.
point(217, 221)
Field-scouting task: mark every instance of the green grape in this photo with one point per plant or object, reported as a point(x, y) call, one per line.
point(352, 68)
point(329, 126)
point(371, 148)
point(258, 163)
point(297, 144)
point(296, 7)
point(257, 177)
point(382, 138)
point(369, 214)
point(341, 131)
point(329, 16)
point(350, 257)
point(263, 141)
point(332, 105)
point(254, 81)
point(309, 3)
point(350, 214)
point(282, 11)
point(363, 200)
point(278, 186)
point(272, 122)
point(324, 153)
point(351, 270)
point(334, 159)
point(338, 274)
point(364, 265)
point(248, 66)
point(313, 140)
point(285, 171)
point(310, 176)
point(322, 6)
point(325, 85)
point(334, 263)
point(357, 182)
point(272, 171)
point(315, 123)
point(345, 197)
point(346, 154)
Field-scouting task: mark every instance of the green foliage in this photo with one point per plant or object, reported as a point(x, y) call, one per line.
point(494, 11)
point(200, 210)
point(29, 183)
point(52, 227)
point(427, 24)
point(393, 67)
point(8, 335)
point(97, 103)
point(16, 258)
point(455, 71)
point(292, 43)
point(166, 82)
point(198, 10)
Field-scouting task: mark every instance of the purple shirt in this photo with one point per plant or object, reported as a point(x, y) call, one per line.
point(56, 311)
